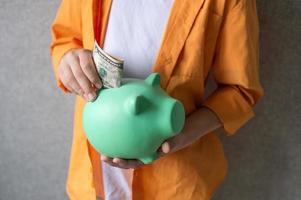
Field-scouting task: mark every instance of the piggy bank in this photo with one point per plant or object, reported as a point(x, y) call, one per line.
point(132, 121)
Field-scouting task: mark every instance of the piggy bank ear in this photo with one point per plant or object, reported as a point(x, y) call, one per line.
point(136, 104)
point(153, 79)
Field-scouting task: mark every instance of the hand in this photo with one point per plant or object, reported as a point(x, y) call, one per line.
point(78, 73)
point(196, 125)
point(122, 163)
point(169, 146)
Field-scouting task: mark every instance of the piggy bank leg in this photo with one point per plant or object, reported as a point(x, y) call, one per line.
point(149, 159)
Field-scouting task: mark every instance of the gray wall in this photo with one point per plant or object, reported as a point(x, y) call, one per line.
point(36, 119)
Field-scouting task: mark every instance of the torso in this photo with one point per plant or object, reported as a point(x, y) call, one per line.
point(133, 34)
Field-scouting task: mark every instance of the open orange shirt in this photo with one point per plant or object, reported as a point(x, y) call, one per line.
point(221, 36)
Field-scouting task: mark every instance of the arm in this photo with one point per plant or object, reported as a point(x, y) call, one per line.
point(236, 67)
point(73, 66)
point(198, 124)
point(235, 70)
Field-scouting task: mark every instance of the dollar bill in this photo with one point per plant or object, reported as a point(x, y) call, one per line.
point(109, 68)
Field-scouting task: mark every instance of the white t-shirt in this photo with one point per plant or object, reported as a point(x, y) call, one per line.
point(134, 33)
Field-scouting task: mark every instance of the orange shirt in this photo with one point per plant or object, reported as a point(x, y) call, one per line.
point(221, 36)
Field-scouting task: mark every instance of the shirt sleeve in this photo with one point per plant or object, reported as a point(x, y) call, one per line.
point(66, 34)
point(236, 67)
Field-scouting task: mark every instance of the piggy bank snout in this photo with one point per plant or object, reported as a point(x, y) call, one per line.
point(171, 114)
point(175, 117)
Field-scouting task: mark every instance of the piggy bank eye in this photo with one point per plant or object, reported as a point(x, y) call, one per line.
point(137, 104)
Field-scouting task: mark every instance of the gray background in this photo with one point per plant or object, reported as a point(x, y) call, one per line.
point(36, 118)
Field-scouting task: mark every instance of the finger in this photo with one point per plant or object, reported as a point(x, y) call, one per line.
point(128, 163)
point(72, 90)
point(69, 80)
point(166, 147)
point(121, 163)
point(134, 164)
point(89, 69)
point(81, 78)
point(106, 158)
point(172, 144)
point(109, 161)
point(94, 88)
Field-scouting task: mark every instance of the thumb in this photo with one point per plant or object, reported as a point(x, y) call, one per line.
point(166, 147)
point(170, 145)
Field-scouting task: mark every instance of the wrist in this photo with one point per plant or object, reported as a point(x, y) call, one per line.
point(202, 122)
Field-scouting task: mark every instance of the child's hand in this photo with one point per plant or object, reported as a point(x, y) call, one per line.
point(78, 73)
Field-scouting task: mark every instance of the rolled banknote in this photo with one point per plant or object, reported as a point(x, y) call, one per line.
point(109, 68)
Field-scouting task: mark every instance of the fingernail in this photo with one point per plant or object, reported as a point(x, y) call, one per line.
point(165, 148)
point(91, 96)
point(117, 160)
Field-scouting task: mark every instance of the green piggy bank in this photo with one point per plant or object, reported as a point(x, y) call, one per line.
point(132, 121)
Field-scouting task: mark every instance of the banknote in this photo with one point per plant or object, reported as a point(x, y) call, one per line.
point(109, 68)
